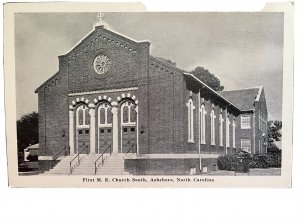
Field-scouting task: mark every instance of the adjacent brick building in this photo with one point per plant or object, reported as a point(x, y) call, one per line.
point(109, 91)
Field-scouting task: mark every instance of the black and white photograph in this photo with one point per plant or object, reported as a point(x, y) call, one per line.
point(128, 96)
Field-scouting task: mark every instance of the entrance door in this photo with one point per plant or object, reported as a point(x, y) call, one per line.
point(128, 138)
point(83, 136)
point(105, 139)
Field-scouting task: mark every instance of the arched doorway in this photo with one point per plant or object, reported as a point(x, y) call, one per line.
point(82, 129)
point(105, 136)
point(128, 126)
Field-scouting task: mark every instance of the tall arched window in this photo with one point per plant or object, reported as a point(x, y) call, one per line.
point(227, 131)
point(203, 119)
point(191, 108)
point(221, 129)
point(128, 113)
point(109, 115)
point(104, 114)
point(82, 116)
point(233, 133)
point(212, 127)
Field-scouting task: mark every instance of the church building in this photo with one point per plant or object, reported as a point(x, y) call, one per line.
point(143, 114)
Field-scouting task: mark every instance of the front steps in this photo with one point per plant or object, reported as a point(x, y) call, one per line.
point(113, 165)
point(63, 167)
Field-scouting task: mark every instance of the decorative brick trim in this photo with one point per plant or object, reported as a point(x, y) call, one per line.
point(103, 91)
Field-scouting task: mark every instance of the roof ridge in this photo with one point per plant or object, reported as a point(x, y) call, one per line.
point(242, 89)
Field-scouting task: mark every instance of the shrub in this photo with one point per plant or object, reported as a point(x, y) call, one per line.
point(259, 161)
point(227, 162)
point(266, 160)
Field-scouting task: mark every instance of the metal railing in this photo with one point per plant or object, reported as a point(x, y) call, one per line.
point(78, 157)
point(64, 149)
point(130, 150)
point(101, 157)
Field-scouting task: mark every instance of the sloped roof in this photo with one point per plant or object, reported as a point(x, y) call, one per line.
point(243, 98)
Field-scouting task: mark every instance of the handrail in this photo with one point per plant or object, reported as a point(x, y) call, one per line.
point(85, 147)
point(101, 156)
point(132, 146)
point(59, 152)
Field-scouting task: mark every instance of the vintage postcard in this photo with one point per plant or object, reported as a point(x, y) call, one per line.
point(114, 96)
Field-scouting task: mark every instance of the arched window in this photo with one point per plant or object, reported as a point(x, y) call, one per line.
point(212, 127)
point(87, 118)
point(125, 114)
point(132, 114)
point(221, 129)
point(104, 114)
point(82, 116)
point(227, 131)
point(128, 113)
point(233, 133)
point(109, 115)
point(202, 122)
point(191, 108)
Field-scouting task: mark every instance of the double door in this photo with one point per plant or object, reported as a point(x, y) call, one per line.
point(128, 139)
point(105, 139)
point(83, 140)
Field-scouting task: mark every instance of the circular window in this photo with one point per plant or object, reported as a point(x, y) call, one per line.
point(102, 64)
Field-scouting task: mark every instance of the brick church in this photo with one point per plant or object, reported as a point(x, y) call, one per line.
point(120, 110)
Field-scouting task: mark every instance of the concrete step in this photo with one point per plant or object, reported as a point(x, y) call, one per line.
point(113, 165)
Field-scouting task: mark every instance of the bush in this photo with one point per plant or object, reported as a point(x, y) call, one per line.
point(259, 161)
point(227, 162)
point(33, 158)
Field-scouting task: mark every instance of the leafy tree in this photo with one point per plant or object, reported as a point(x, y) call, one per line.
point(208, 78)
point(27, 131)
point(274, 134)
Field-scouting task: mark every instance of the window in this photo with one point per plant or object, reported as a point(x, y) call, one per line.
point(212, 127)
point(82, 116)
point(246, 145)
point(227, 131)
point(221, 129)
point(233, 134)
point(245, 122)
point(191, 108)
point(202, 122)
point(128, 113)
point(104, 114)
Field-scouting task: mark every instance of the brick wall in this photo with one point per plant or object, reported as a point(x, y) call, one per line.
point(210, 102)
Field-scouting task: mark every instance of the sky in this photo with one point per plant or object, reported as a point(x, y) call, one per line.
point(242, 49)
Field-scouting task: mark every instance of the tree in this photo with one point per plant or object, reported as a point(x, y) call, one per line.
point(27, 131)
point(205, 76)
point(274, 135)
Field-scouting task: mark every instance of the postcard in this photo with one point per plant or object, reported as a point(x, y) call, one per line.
point(110, 95)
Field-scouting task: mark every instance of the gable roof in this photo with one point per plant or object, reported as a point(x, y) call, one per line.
point(243, 98)
point(108, 29)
